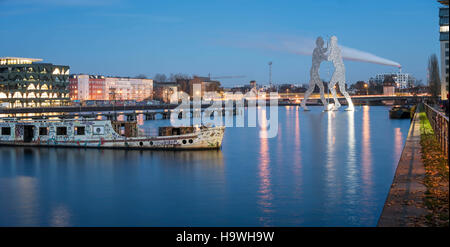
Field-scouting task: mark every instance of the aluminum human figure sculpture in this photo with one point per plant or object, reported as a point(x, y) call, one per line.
point(317, 57)
point(338, 74)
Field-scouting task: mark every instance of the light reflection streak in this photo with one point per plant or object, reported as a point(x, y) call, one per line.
point(297, 169)
point(398, 144)
point(330, 171)
point(366, 148)
point(28, 205)
point(297, 143)
point(351, 156)
point(331, 139)
point(265, 190)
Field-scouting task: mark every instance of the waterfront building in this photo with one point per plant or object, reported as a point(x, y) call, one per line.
point(389, 86)
point(87, 87)
point(124, 88)
point(96, 87)
point(163, 91)
point(26, 82)
point(207, 85)
point(444, 39)
point(402, 80)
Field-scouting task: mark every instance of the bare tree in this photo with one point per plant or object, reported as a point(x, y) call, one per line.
point(141, 76)
point(174, 77)
point(160, 78)
point(434, 81)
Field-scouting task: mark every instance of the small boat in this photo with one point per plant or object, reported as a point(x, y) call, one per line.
point(398, 112)
point(105, 134)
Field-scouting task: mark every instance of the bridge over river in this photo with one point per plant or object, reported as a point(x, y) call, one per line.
point(163, 111)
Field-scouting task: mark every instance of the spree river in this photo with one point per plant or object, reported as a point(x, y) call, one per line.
point(322, 169)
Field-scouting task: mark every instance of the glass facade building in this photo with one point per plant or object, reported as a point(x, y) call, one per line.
point(25, 82)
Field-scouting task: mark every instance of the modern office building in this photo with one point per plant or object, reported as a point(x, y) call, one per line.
point(97, 87)
point(26, 82)
point(444, 39)
point(402, 80)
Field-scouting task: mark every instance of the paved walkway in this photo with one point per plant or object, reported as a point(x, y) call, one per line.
point(404, 204)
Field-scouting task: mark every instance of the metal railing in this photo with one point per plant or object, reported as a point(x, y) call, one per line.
point(439, 123)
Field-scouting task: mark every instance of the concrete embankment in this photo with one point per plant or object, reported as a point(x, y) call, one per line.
point(404, 205)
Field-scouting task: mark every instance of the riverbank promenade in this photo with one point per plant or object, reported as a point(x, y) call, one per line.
point(404, 205)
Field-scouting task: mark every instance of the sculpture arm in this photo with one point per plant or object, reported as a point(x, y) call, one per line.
point(331, 54)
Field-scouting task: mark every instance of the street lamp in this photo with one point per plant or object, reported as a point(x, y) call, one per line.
point(366, 86)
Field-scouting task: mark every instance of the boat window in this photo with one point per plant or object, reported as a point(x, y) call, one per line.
point(98, 130)
point(176, 131)
point(43, 131)
point(6, 131)
point(61, 131)
point(79, 130)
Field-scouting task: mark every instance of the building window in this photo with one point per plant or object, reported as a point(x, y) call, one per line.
point(43, 131)
point(61, 131)
point(6, 131)
point(79, 130)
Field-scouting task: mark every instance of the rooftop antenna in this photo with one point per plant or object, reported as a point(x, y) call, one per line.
point(270, 74)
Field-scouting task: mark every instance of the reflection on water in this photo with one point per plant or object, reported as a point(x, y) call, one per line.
point(265, 197)
point(323, 169)
point(398, 141)
point(366, 149)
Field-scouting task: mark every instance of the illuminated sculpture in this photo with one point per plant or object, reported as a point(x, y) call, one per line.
point(338, 75)
point(317, 57)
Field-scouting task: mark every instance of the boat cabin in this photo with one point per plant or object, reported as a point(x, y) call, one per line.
point(172, 131)
point(127, 129)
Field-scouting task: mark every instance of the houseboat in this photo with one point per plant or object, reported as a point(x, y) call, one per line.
point(399, 112)
point(105, 134)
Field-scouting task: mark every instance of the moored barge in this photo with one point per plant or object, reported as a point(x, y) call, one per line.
point(105, 134)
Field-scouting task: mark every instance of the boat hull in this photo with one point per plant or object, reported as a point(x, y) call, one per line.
point(203, 138)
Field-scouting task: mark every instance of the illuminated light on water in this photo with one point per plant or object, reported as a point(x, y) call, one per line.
point(366, 148)
point(265, 193)
point(398, 143)
point(331, 139)
point(351, 155)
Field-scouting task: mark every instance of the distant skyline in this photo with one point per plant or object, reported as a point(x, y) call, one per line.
point(224, 38)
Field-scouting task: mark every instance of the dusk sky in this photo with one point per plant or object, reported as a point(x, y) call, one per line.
point(127, 38)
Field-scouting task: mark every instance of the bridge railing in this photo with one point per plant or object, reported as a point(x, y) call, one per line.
point(439, 123)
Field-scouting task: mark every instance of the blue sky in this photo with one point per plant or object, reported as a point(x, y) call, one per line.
point(127, 38)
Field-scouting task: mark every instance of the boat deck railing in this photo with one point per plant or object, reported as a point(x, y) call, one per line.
point(439, 123)
point(9, 119)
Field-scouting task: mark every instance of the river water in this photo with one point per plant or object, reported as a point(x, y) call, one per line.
point(322, 169)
